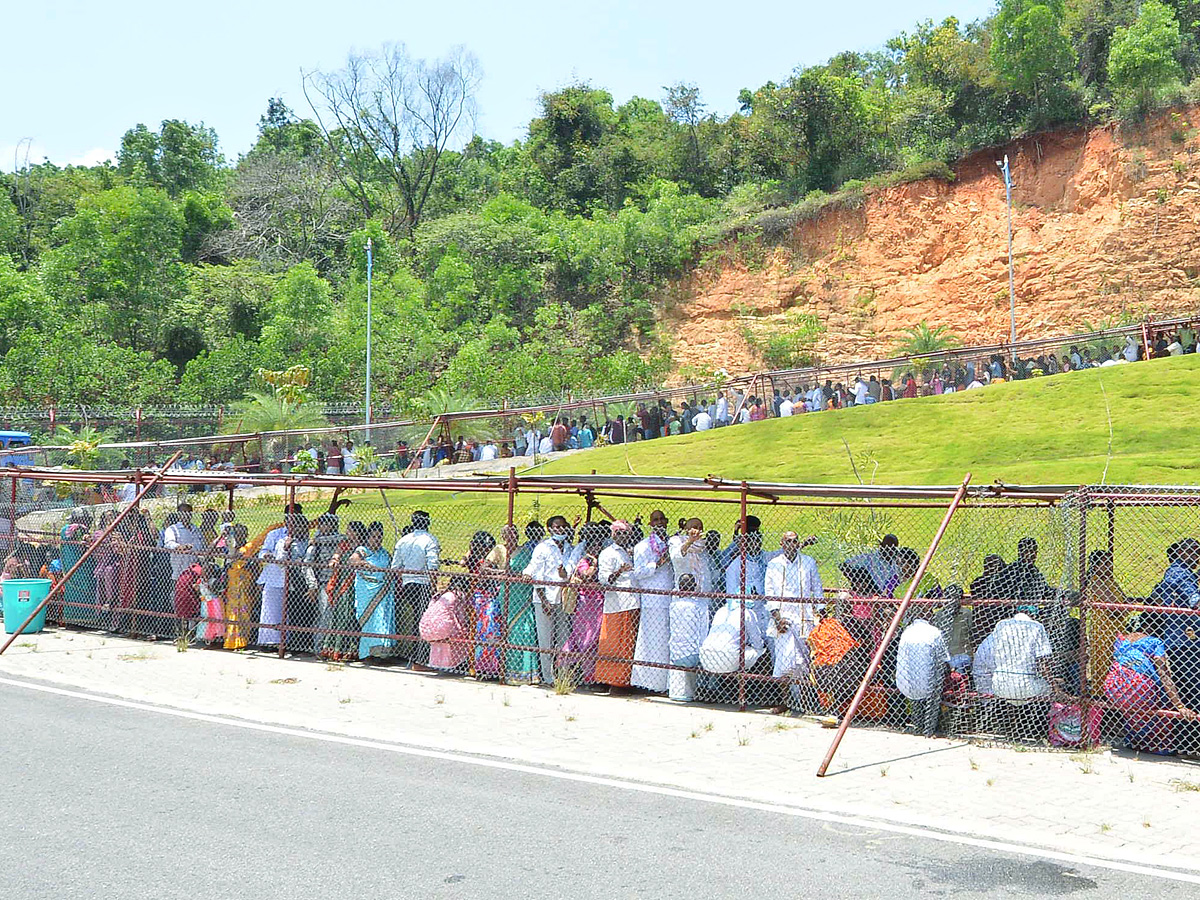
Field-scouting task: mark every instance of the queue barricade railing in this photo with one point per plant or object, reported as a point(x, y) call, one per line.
point(1054, 610)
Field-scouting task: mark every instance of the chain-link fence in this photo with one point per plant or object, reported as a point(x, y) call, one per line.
point(1047, 615)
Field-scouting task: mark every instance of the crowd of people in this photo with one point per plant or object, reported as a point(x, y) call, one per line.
point(666, 417)
point(670, 609)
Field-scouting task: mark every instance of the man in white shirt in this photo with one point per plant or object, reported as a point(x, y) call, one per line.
point(183, 541)
point(416, 555)
point(721, 416)
point(921, 658)
point(548, 564)
point(531, 441)
point(545, 445)
point(790, 576)
point(785, 408)
point(1021, 657)
point(652, 571)
point(275, 553)
point(688, 612)
point(860, 391)
point(488, 452)
point(702, 421)
point(349, 460)
point(1131, 350)
point(619, 625)
point(127, 492)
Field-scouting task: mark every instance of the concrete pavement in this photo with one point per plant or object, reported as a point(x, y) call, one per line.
point(1095, 804)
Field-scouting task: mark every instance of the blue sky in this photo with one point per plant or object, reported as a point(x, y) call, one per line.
point(77, 75)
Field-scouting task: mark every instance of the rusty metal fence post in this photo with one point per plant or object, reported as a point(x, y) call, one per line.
point(877, 659)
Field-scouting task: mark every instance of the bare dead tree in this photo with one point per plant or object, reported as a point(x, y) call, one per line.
point(388, 119)
point(286, 210)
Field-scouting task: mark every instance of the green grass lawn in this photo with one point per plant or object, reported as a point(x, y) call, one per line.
point(1046, 430)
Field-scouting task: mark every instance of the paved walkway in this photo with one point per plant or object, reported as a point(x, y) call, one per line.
point(1098, 804)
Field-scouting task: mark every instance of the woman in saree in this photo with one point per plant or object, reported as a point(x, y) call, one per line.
point(131, 543)
point(522, 665)
point(340, 589)
point(485, 599)
point(1140, 685)
point(582, 646)
point(241, 591)
point(79, 593)
point(446, 625)
point(374, 595)
point(105, 570)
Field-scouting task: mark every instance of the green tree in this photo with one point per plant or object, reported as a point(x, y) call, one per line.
point(118, 264)
point(23, 304)
point(180, 157)
point(1142, 62)
point(1031, 51)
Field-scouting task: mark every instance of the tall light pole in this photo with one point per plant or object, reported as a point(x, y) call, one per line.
point(1012, 294)
point(368, 423)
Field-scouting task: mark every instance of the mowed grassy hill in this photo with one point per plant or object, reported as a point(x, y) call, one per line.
point(1050, 430)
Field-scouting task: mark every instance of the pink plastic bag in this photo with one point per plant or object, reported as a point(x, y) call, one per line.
point(1065, 727)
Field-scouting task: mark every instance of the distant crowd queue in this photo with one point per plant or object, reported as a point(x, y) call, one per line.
point(665, 418)
point(679, 611)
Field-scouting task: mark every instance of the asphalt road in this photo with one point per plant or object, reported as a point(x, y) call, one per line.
point(102, 801)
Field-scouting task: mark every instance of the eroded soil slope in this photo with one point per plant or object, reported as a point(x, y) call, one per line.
point(1106, 222)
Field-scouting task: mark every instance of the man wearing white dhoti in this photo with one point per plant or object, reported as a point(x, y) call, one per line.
point(688, 612)
point(790, 576)
point(652, 571)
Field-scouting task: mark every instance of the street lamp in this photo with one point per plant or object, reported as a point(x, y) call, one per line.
point(368, 340)
point(1012, 294)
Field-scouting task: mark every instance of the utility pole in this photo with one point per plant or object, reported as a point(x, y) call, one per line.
point(368, 422)
point(1012, 294)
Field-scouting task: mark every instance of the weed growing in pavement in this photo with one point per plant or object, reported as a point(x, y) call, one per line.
point(1145, 823)
point(743, 735)
point(136, 657)
point(883, 771)
point(344, 699)
point(506, 700)
point(1086, 761)
point(28, 645)
point(571, 717)
point(780, 726)
point(974, 765)
point(564, 682)
point(708, 726)
point(694, 734)
point(285, 681)
point(334, 666)
point(1182, 785)
point(1129, 775)
point(991, 781)
point(1105, 828)
point(439, 699)
point(250, 681)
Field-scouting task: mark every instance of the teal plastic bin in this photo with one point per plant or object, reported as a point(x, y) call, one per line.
point(21, 597)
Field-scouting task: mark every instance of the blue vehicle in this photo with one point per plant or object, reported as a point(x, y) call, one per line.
point(12, 440)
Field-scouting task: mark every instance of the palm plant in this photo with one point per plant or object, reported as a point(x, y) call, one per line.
point(921, 340)
point(263, 411)
point(83, 446)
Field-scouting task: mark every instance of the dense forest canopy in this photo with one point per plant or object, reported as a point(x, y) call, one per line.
point(174, 274)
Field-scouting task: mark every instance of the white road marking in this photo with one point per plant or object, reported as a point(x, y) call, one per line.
point(601, 781)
